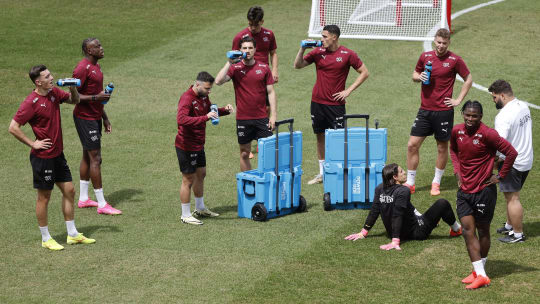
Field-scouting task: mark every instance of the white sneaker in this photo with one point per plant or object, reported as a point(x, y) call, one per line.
point(205, 212)
point(191, 220)
point(318, 179)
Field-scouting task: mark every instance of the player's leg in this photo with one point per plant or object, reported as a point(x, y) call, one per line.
point(84, 182)
point(442, 123)
point(413, 159)
point(68, 199)
point(442, 209)
point(245, 132)
point(87, 131)
point(95, 175)
point(198, 188)
point(514, 211)
point(187, 162)
point(245, 164)
point(42, 202)
point(440, 165)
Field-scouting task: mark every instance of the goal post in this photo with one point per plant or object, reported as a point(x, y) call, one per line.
point(381, 19)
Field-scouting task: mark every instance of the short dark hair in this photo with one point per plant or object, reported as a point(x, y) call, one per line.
point(388, 173)
point(255, 13)
point(205, 77)
point(85, 44)
point(35, 72)
point(332, 29)
point(248, 39)
point(443, 33)
point(473, 104)
point(501, 86)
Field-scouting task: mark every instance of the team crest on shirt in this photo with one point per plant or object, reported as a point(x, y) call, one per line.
point(258, 72)
point(446, 65)
point(339, 59)
point(475, 142)
point(265, 39)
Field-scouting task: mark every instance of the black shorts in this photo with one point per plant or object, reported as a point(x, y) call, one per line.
point(89, 133)
point(428, 123)
point(326, 117)
point(189, 161)
point(513, 181)
point(252, 129)
point(480, 205)
point(48, 171)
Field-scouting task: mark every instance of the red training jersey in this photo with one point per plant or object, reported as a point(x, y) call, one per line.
point(443, 76)
point(265, 42)
point(473, 154)
point(191, 119)
point(250, 83)
point(43, 115)
point(332, 71)
point(91, 84)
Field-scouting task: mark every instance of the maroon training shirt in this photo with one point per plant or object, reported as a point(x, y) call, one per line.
point(265, 42)
point(250, 89)
point(191, 118)
point(332, 71)
point(91, 84)
point(43, 115)
point(443, 76)
point(473, 155)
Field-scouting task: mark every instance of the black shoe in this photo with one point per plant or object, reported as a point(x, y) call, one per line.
point(503, 230)
point(511, 238)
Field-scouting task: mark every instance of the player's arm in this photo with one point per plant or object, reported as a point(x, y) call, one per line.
point(226, 110)
point(450, 102)
point(363, 75)
point(508, 150)
point(370, 220)
point(273, 106)
point(106, 122)
point(274, 60)
point(299, 61)
point(184, 119)
point(101, 96)
point(74, 97)
point(454, 158)
point(419, 76)
point(15, 130)
point(222, 76)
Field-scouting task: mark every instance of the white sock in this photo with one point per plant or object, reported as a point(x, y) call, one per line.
point(83, 192)
point(455, 226)
point(484, 260)
point(507, 226)
point(186, 210)
point(321, 164)
point(45, 236)
point(518, 234)
point(199, 203)
point(479, 268)
point(411, 176)
point(100, 198)
point(416, 212)
point(71, 230)
point(438, 175)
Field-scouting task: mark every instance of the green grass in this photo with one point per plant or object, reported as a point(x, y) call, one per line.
point(154, 49)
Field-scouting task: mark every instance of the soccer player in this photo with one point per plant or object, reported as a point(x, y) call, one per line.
point(393, 203)
point(332, 62)
point(253, 84)
point(264, 38)
point(436, 113)
point(514, 124)
point(89, 116)
point(473, 147)
point(41, 109)
point(193, 113)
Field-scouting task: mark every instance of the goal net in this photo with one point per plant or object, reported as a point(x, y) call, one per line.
point(380, 19)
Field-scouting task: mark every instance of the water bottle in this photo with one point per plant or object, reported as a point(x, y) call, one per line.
point(236, 55)
point(69, 82)
point(108, 90)
point(427, 70)
point(310, 43)
point(214, 108)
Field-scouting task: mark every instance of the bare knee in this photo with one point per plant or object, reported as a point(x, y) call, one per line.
point(413, 146)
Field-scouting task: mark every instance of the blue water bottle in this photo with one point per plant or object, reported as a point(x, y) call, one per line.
point(108, 90)
point(69, 82)
point(214, 108)
point(236, 55)
point(310, 43)
point(427, 70)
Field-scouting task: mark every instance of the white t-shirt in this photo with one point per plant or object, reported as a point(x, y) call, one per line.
point(514, 124)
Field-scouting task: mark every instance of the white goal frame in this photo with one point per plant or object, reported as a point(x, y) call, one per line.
point(319, 17)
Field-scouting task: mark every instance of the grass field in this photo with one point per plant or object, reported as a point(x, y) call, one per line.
point(153, 51)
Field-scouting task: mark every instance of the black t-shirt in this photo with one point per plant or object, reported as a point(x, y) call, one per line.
point(397, 212)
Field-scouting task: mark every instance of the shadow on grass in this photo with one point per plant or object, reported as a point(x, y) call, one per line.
point(531, 229)
point(120, 196)
point(447, 182)
point(89, 230)
point(501, 268)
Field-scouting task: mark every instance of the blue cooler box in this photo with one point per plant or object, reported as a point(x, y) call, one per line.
point(334, 165)
point(257, 188)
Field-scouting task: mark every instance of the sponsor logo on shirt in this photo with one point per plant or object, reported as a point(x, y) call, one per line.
point(460, 139)
point(194, 102)
point(94, 72)
point(323, 56)
point(243, 72)
point(241, 127)
point(43, 105)
point(452, 57)
point(386, 199)
point(92, 132)
point(48, 171)
point(446, 64)
point(478, 135)
point(35, 99)
point(344, 52)
point(267, 33)
point(523, 120)
point(258, 72)
point(428, 55)
point(461, 132)
point(444, 123)
point(87, 66)
point(445, 130)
